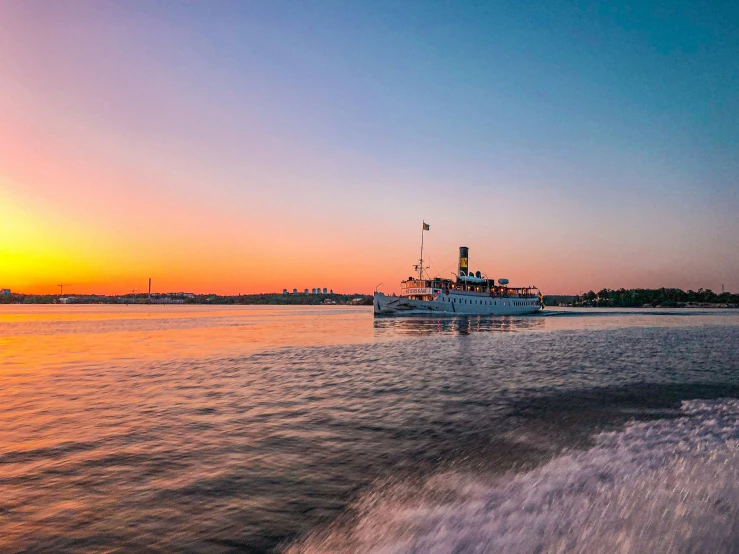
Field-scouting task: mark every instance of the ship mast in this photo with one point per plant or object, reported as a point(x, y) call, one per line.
point(424, 227)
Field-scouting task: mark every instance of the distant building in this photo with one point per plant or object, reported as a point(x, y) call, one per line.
point(325, 290)
point(332, 291)
point(306, 291)
point(295, 291)
point(167, 300)
point(284, 291)
point(5, 292)
point(313, 291)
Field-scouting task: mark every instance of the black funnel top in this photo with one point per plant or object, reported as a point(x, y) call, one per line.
point(463, 260)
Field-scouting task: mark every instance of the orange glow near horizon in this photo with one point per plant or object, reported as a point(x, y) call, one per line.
point(68, 219)
point(95, 242)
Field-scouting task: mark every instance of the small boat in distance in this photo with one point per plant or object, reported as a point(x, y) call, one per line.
point(470, 293)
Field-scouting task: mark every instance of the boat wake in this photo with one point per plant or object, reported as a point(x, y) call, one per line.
point(661, 486)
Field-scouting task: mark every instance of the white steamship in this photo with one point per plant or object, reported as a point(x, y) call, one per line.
point(469, 293)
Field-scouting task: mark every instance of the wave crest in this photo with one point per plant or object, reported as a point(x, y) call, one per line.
point(659, 486)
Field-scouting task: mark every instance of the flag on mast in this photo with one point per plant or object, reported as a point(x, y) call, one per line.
point(426, 226)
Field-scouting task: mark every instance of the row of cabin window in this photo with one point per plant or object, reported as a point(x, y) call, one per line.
point(485, 302)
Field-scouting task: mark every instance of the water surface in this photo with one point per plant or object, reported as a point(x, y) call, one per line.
point(250, 429)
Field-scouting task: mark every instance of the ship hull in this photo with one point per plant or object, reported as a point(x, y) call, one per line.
point(459, 304)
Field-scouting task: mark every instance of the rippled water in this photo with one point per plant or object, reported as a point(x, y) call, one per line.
point(230, 429)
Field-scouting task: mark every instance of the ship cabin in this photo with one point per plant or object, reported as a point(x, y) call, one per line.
point(429, 289)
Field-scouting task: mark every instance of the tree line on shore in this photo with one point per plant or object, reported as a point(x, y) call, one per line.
point(633, 298)
point(621, 298)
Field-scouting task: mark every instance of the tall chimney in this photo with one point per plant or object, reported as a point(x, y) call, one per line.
point(463, 260)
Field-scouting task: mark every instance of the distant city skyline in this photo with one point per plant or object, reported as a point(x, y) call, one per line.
point(234, 147)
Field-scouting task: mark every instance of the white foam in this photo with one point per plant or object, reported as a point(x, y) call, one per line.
point(660, 486)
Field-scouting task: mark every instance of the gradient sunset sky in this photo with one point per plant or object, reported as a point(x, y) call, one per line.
point(237, 147)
